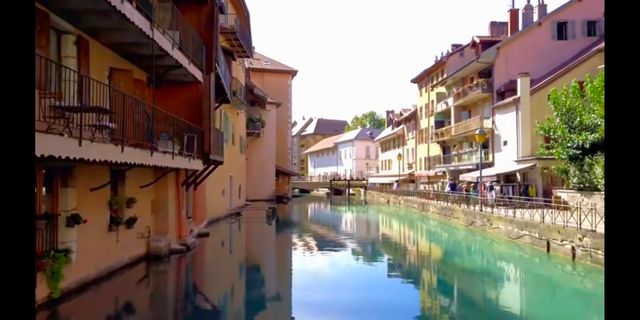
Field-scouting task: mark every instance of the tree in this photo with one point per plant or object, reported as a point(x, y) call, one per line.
point(575, 133)
point(366, 120)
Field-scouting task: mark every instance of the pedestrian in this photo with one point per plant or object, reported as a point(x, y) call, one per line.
point(491, 194)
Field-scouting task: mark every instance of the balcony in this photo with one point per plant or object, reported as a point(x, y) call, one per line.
point(470, 125)
point(129, 27)
point(82, 108)
point(466, 157)
point(239, 94)
point(444, 104)
point(236, 35)
point(442, 133)
point(223, 79)
point(434, 161)
point(255, 126)
point(473, 92)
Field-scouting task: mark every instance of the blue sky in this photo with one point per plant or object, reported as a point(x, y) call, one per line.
point(359, 55)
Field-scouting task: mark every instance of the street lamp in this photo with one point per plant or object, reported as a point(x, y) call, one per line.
point(399, 165)
point(480, 136)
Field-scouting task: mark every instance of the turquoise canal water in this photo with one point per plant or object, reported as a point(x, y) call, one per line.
point(324, 261)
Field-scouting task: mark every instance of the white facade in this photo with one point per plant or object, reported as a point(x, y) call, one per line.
point(323, 163)
point(505, 137)
point(357, 156)
point(389, 146)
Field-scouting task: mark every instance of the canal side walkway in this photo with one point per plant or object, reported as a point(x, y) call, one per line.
point(551, 228)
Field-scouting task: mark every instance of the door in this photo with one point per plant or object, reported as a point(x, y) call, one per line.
point(123, 86)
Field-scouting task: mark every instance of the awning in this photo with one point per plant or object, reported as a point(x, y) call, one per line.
point(285, 172)
point(489, 174)
point(390, 178)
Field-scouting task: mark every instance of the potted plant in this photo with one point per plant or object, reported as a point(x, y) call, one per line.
point(75, 219)
point(130, 202)
point(130, 222)
point(42, 219)
point(114, 204)
point(115, 221)
point(56, 261)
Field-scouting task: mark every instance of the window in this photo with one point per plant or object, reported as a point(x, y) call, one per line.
point(367, 152)
point(562, 30)
point(590, 28)
point(504, 143)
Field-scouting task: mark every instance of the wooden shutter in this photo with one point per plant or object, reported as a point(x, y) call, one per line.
point(43, 25)
point(572, 29)
point(554, 30)
point(600, 27)
point(584, 26)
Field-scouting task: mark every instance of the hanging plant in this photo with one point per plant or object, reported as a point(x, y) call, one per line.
point(114, 203)
point(75, 219)
point(130, 202)
point(130, 222)
point(115, 221)
point(58, 259)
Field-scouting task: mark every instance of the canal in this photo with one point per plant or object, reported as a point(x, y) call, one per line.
point(324, 261)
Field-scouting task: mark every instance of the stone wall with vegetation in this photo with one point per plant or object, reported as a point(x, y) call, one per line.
point(589, 245)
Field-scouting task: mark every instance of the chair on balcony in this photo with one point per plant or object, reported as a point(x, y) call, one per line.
point(54, 118)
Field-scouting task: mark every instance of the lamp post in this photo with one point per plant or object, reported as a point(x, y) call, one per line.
point(399, 166)
point(480, 136)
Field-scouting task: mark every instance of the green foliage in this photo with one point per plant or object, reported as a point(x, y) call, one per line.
point(575, 133)
point(366, 120)
point(55, 271)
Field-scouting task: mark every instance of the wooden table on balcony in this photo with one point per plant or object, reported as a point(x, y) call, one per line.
point(99, 126)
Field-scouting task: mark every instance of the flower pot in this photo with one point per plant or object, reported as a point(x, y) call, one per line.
point(547, 139)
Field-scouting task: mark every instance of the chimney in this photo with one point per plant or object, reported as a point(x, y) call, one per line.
point(542, 9)
point(514, 21)
point(455, 46)
point(498, 28)
point(527, 14)
point(389, 118)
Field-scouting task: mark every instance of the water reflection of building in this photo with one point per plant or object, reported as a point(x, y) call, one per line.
point(415, 259)
point(268, 286)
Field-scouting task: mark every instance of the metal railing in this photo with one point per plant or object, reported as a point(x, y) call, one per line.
point(175, 26)
point(467, 156)
point(81, 107)
point(540, 210)
point(46, 233)
point(223, 70)
point(231, 23)
point(239, 90)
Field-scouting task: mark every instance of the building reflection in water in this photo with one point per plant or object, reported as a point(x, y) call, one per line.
point(241, 271)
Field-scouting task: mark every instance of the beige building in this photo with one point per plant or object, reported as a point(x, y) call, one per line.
point(308, 134)
point(140, 134)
